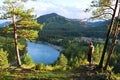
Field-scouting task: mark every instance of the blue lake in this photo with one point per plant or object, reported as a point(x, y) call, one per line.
point(42, 53)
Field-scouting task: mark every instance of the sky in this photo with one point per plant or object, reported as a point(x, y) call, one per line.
point(69, 8)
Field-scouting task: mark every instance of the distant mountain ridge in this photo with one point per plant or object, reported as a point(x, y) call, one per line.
point(57, 26)
point(51, 17)
point(58, 18)
point(4, 23)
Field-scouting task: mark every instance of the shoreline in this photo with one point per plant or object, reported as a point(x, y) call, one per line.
point(59, 48)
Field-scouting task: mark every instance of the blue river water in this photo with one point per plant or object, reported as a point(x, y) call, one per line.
point(42, 53)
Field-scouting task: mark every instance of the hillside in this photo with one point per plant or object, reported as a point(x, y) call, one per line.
point(76, 66)
point(57, 26)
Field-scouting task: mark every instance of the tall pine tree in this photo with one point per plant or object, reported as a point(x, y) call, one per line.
point(104, 10)
point(23, 22)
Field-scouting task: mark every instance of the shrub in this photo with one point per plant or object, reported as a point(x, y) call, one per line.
point(3, 59)
point(62, 61)
point(39, 66)
point(3, 62)
point(49, 67)
point(27, 60)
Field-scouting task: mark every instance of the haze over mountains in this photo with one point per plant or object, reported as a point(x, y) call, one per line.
point(57, 26)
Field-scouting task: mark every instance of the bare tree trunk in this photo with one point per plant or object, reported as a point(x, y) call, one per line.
point(15, 41)
point(108, 35)
point(116, 32)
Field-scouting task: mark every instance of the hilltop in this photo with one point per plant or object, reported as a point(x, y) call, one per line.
point(57, 26)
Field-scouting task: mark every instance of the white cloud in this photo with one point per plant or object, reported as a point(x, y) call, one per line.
point(40, 7)
point(70, 9)
point(1, 4)
point(67, 8)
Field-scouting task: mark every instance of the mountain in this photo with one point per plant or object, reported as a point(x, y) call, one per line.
point(57, 26)
point(4, 23)
point(56, 20)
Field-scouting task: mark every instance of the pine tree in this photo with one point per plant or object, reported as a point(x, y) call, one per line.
point(115, 36)
point(62, 61)
point(22, 22)
point(108, 35)
point(103, 10)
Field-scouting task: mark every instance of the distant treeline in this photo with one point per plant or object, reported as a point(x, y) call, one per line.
point(57, 27)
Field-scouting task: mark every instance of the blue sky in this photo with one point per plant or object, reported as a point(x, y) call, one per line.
point(68, 8)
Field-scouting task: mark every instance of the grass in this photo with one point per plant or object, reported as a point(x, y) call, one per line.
point(83, 72)
point(48, 75)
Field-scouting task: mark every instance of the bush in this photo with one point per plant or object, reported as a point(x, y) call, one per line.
point(3, 62)
point(62, 61)
point(39, 66)
point(3, 59)
point(27, 60)
point(49, 67)
point(57, 68)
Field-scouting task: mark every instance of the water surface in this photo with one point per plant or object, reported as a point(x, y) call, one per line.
point(42, 53)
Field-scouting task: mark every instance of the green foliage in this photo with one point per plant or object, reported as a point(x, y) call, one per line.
point(6, 31)
point(76, 52)
point(76, 61)
point(115, 62)
point(3, 59)
point(27, 60)
point(105, 2)
point(97, 53)
point(49, 67)
point(39, 66)
point(59, 27)
point(62, 61)
point(104, 76)
point(15, 10)
point(27, 26)
point(7, 44)
point(26, 34)
point(101, 9)
point(5, 75)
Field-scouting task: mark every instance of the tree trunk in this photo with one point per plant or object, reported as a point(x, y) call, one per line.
point(15, 41)
point(108, 35)
point(116, 32)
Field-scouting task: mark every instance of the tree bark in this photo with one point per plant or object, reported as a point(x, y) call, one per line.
point(108, 35)
point(116, 32)
point(16, 41)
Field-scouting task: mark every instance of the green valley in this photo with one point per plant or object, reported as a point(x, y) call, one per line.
point(80, 49)
point(59, 27)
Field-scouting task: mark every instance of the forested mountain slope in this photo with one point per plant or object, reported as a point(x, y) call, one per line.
point(57, 26)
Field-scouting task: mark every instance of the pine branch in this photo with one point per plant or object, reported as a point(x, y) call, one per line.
point(97, 16)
